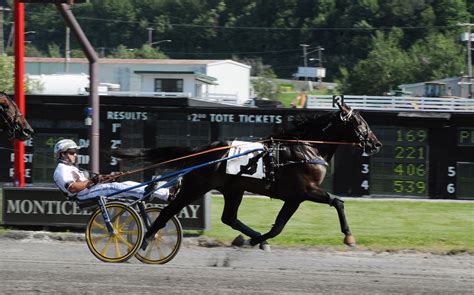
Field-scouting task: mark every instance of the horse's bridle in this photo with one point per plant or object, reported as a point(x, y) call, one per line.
point(346, 117)
point(10, 120)
point(363, 137)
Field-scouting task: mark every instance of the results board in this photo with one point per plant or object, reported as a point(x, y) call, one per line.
point(401, 167)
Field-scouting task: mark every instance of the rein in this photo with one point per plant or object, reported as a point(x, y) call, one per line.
point(120, 174)
point(313, 141)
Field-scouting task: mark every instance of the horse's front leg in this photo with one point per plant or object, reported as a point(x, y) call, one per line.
point(318, 195)
point(288, 209)
point(337, 203)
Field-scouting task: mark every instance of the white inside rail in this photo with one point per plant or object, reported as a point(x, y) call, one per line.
point(396, 103)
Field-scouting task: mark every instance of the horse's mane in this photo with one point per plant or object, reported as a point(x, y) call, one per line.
point(305, 126)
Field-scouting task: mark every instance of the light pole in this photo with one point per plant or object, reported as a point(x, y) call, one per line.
point(305, 61)
point(161, 41)
point(320, 56)
point(320, 64)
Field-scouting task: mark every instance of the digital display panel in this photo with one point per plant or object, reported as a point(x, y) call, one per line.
point(464, 180)
point(465, 136)
point(401, 166)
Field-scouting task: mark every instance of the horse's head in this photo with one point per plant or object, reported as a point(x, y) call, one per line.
point(359, 129)
point(12, 120)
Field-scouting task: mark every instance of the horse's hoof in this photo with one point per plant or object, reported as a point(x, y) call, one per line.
point(265, 247)
point(350, 241)
point(238, 241)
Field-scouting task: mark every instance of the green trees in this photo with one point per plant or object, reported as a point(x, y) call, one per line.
point(370, 45)
point(6, 73)
point(388, 65)
point(7, 82)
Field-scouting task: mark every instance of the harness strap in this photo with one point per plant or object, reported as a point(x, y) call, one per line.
point(314, 141)
point(272, 164)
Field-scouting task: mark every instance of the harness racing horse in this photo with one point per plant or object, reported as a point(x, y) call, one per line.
point(12, 121)
point(298, 169)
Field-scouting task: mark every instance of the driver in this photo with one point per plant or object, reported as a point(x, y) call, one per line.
point(74, 183)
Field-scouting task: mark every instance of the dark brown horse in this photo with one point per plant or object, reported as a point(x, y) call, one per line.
point(294, 171)
point(12, 121)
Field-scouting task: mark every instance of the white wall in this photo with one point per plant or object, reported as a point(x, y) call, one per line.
point(232, 77)
point(71, 84)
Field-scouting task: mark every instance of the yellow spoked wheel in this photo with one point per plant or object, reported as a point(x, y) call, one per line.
point(127, 236)
point(167, 241)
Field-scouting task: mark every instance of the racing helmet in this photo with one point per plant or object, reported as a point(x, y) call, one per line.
point(64, 145)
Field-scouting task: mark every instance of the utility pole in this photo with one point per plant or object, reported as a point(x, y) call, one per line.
point(469, 59)
point(67, 49)
point(469, 56)
point(305, 61)
point(2, 39)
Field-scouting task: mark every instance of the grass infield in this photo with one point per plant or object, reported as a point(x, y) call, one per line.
point(427, 226)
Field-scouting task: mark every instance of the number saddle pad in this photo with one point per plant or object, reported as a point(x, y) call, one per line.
point(243, 165)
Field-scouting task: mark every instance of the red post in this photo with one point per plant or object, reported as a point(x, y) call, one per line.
point(19, 146)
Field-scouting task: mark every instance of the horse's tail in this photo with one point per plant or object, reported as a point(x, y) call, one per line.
point(161, 154)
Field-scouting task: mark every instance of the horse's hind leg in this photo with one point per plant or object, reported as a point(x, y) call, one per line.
point(337, 203)
point(232, 201)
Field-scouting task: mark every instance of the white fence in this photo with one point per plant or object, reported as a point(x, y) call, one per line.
point(220, 98)
point(396, 103)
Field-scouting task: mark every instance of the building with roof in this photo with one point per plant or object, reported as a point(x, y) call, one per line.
point(212, 80)
point(448, 87)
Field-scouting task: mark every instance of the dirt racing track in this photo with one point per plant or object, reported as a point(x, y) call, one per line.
point(36, 265)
